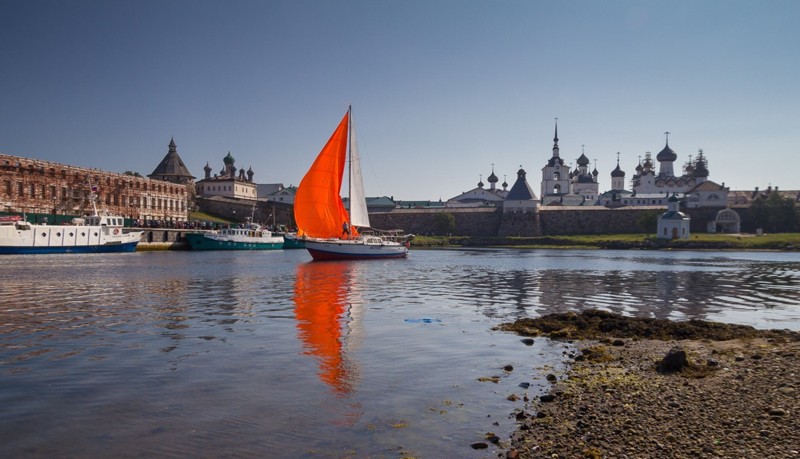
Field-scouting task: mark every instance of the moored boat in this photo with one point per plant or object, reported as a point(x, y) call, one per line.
point(247, 237)
point(329, 231)
point(292, 241)
point(94, 234)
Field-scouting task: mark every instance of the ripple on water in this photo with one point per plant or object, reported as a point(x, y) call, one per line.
point(208, 354)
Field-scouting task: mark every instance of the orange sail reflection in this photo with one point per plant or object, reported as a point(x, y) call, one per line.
point(323, 316)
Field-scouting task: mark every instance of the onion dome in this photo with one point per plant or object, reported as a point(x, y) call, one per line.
point(585, 179)
point(505, 183)
point(492, 178)
point(673, 198)
point(595, 173)
point(648, 164)
point(480, 182)
point(228, 159)
point(638, 167)
point(666, 154)
point(583, 160)
point(207, 168)
point(617, 172)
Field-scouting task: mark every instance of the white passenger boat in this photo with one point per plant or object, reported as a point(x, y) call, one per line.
point(94, 234)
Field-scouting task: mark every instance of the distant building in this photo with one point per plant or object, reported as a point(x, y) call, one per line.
point(616, 197)
point(375, 204)
point(228, 183)
point(34, 186)
point(276, 192)
point(555, 176)
point(171, 168)
point(673, 224)
point(521, 197)
point(479, 196)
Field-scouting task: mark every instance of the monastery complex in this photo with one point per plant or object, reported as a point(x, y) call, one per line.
point(680, 191)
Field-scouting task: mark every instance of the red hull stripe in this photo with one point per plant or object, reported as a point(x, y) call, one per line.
point(320, 255)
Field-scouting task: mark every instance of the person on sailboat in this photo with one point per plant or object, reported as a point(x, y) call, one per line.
point(346, 230)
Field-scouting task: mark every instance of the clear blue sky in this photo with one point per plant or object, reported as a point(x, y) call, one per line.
point(440, 89)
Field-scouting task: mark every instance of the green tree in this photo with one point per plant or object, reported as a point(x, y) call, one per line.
point(773, 214)
point(648, 221)
point(444, 223)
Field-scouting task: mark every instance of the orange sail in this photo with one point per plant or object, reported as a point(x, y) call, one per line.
point(318, 208)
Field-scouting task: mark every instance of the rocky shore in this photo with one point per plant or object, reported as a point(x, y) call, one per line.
point(648, 388)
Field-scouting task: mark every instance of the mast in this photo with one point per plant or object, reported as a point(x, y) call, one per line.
point(350, 163)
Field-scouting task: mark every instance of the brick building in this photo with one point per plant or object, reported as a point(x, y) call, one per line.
point(44, 187)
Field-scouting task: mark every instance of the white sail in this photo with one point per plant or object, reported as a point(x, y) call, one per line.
point(358, 202)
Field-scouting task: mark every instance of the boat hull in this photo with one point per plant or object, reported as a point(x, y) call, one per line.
point(201, 242)
point(293, 242)
point(106, 248)
point(354, 250)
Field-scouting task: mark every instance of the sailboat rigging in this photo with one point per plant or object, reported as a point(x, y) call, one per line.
point(330, 231)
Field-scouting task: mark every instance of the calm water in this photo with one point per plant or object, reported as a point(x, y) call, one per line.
point(265, 354)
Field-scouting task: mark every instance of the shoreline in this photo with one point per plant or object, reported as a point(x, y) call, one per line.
point(736, 397)
point(782, 242)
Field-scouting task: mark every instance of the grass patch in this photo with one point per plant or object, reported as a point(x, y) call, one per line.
point(699, 241)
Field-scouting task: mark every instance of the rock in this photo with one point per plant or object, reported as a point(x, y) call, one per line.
point(479, 445)
point(551, 377)
point(674, 361)
point(547, 398)
point(527, 341)
point(786, 390)
point(512, 398)
point(524, 385)
point(777, 412)
point(508, 368)
point(618, 342)
point(513, 454)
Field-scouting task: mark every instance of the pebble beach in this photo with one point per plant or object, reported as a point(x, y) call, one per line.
point(735, 395)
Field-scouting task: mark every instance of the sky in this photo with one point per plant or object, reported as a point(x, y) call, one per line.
point(443, 91)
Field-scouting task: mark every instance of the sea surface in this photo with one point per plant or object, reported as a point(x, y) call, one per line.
point(266, 354)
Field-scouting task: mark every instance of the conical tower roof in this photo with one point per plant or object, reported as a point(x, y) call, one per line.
point(172, 168)
point(521, 191)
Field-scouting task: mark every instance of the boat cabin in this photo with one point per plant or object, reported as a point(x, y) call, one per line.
point(104, 220)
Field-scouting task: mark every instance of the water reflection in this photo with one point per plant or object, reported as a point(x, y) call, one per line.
point(754, 289)
point(327, 311)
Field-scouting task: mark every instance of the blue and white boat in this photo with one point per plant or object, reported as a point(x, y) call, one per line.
point(94, 234)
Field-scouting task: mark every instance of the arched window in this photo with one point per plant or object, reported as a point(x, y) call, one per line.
point(556, 175)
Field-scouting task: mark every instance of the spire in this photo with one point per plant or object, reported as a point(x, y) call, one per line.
point(555, 137)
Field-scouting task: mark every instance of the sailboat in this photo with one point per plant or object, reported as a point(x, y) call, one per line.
point(330, 231)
